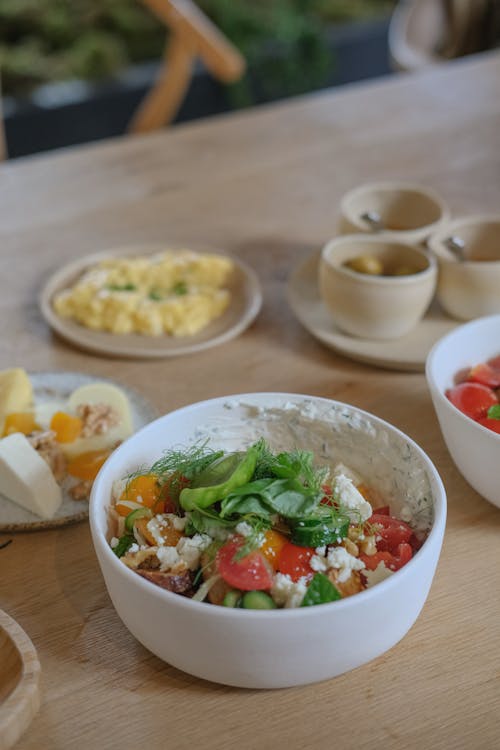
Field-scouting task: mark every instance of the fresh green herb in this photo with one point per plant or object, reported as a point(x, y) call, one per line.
point(186, 462)
point(122, 287)
point(155, 295)
point(219, 479)
point(320, 591)
point(180, 288)
point(206, 521)
point(291, 465)
point(494, 412)
point(266, 497)
point(124, 544)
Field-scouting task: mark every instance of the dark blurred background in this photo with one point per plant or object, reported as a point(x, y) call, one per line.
point(75, 71)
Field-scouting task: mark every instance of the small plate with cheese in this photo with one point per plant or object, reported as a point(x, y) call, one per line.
point(57, 429)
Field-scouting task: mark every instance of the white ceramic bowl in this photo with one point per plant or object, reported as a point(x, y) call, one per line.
point(409, 212)
point(376, 307)
point(474, 449)
point(279, 648)
point(469, 288)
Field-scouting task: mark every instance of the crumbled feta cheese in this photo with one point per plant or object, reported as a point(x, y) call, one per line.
point(168, 557)
point(154, 528)
point(340, 559)
point(351, 498)
point(244, 529)
point(179, 523)
point(288, 593)
point(133, 548)
point(376, 576)
point(318, 563)
point(321, 550)
point(343, 470)
point(114, 541)
point(191, 548)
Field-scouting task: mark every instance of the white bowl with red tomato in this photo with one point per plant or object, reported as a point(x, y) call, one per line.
point(268, 540)
point(463, 375)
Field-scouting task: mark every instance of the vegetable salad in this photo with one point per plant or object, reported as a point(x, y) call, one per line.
point(477, 392)
point(256, 529)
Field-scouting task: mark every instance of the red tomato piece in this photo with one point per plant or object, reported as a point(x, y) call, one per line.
point(372, 561)
point(392, 560)
point(392, 533)
point(294, 561)
point(249, 573)
point(486, 375)
point(170, 492)
point(382, 511)
point(402, 554)
point(473, 399)
point(491, 424)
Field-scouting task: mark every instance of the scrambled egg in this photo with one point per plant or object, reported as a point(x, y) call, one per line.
point(176, 292)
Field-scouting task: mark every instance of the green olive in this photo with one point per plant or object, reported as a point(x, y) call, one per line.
point(369, 264)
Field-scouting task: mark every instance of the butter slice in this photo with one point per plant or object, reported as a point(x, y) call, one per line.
point(26, 479)
point(16, 393)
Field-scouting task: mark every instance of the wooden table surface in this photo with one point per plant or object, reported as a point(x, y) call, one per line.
point(264, 185)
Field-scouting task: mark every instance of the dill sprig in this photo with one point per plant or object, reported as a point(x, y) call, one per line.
point(296, 464)
point(185, 461)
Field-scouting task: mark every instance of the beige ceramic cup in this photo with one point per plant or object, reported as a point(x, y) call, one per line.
point(469, 282)
point(408, 212)
point(376, 307)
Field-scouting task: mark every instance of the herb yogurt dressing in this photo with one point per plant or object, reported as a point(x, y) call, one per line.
point(337, 434)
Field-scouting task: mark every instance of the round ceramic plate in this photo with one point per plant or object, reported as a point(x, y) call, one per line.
point(50, 386)
point(406, 353)
point(246, 301)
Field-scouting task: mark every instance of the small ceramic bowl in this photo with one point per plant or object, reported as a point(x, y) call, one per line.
point(282, 647)
point(376, 307)
point(474, 449)
point(407, 212)
point(469, 283)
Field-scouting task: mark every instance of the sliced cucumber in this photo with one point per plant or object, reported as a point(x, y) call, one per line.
point(257, 600)
point(135, 515)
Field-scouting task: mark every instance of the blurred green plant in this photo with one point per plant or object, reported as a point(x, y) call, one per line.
point(284, 41)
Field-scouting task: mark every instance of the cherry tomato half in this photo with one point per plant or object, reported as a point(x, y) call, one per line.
point(392, 560)
point(491, 424)
point(294, 561)
point(473, 399)
point(486, 375)
point(249, 573)
point(392, 533)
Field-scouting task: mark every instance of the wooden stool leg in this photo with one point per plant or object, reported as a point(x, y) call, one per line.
point(162, 103)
